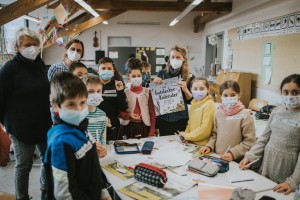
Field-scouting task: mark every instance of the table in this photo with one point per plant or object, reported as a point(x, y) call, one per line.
point(219, 179)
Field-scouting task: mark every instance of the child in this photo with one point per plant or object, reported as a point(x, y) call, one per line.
point(234, 131)
point(201, 114)
point(139, 118)
point(78, 69)
point(114, 98)
point(72, 165)
point(146, 72)
point(97, 118)
point(279, 146)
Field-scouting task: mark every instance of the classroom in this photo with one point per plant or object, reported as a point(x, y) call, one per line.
point(99, 98)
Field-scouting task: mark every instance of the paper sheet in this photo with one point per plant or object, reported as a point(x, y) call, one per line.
point(60, 14)
point(172, 158)
point(240, 175)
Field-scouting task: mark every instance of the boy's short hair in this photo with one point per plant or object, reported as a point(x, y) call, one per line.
point(65, 85)
point(76, 65)
point(91, 79)
point(145, 64)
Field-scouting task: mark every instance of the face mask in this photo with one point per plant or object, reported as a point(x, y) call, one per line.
point(72, 116)
point(30, 52)
point(135, 82)
point(176, 64)
point(146, 76)
point(199, 95)
point(94, 99)
point(106, 75)
point(291, 101)
point(230, 101)
point(73, 56)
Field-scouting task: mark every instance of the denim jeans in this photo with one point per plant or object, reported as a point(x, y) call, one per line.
point(24, 159)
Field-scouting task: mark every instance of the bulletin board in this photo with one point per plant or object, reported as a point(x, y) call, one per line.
point(248, 56)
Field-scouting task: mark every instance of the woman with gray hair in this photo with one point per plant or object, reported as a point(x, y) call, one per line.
point(24, 107)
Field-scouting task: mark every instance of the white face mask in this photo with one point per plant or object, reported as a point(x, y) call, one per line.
point(291, 101)
point(175, 63)
point(230, 101)
point(94, 99)
point(136, 81)
point(73, 117)
point(30, 52)
point(199, 94)
point(73, 55)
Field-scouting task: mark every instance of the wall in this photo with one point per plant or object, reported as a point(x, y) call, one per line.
point(249, 11)
point(141, 35)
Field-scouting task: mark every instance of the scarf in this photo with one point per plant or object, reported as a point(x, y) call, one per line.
point(195, 103)
point(175, 72)
point(233, 110)
point(137, 90)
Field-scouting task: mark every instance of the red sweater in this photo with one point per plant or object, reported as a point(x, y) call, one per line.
point(137, 110)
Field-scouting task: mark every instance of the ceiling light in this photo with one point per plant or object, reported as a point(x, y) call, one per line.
point(87, 7)
point(185, 11)
point(105, 22)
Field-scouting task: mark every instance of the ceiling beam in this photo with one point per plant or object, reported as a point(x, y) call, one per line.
point(201, 20)
point(159, 5)
point(86, 25)
point(20, 8)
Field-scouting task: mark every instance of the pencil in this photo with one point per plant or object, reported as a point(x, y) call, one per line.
point(254, 161)
point(226, 150)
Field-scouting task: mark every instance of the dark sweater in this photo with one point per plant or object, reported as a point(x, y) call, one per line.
point(174, 117)
point(113, 102)
point(24, 99)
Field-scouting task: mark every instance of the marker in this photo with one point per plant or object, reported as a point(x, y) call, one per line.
point(254, 161)
point(242, 181)
point(226, 150)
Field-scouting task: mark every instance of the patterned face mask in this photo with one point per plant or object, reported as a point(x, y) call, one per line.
point(229, 102)
point(291, 101)
point(94, 99)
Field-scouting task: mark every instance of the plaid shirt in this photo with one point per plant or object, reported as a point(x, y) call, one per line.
point(56, 68)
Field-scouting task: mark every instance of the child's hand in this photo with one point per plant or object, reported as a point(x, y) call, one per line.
point(158, 80)
point(283, 187)
point(181, 133)
point(205, 150)
point(183, 86)
point(244, 162)
point(134, 116)
point(119, 85)
point(228, 157)
point(108, 122)
point(101, 150)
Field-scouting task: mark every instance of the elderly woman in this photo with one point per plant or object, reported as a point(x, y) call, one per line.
point(24, 106)
point(74, 51)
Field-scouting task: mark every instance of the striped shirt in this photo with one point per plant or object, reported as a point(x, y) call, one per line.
point(56, 68)
point(97, 122)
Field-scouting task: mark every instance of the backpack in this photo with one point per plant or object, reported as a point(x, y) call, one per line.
point(4, 147)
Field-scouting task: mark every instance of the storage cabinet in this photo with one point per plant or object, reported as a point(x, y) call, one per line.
point(242, 78)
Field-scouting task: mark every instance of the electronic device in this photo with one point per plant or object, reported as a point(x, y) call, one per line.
point(147, 147)
point(180, 137)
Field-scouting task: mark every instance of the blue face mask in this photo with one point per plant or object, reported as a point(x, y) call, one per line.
point(72, 116)
point(106, 75)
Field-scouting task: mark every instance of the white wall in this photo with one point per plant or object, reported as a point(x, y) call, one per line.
point(246, 12)
point(141, 35)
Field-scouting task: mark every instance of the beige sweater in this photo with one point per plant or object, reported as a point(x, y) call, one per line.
point(237, 130)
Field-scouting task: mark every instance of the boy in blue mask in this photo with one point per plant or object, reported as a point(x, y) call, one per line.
point(146, 72)
point(72, 165)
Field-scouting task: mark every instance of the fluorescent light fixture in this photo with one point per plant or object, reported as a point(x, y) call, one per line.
point(31, 18)
point(105, 22)
point(138, 23)
point(185, 11)
point(87, 7)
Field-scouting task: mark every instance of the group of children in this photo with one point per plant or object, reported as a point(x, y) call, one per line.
point(90, 108)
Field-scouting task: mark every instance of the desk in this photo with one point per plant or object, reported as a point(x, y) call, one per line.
point(260, 125)
point(219, 179)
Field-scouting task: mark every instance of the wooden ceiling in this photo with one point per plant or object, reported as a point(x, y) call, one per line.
point(208, 10)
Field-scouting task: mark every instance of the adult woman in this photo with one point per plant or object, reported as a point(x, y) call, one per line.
point(178, 67)
point(74, 51)
point(24, 106)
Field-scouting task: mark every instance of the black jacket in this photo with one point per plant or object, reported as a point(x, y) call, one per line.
point(113, 102)
point(24, 99)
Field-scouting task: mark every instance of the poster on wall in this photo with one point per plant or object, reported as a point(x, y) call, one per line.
point(167, 97)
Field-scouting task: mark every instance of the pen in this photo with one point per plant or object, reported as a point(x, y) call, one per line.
point(226, 150)
point(242, 181)
point(254, 161)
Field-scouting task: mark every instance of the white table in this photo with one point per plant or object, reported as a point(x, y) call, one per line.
point(219, 179)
